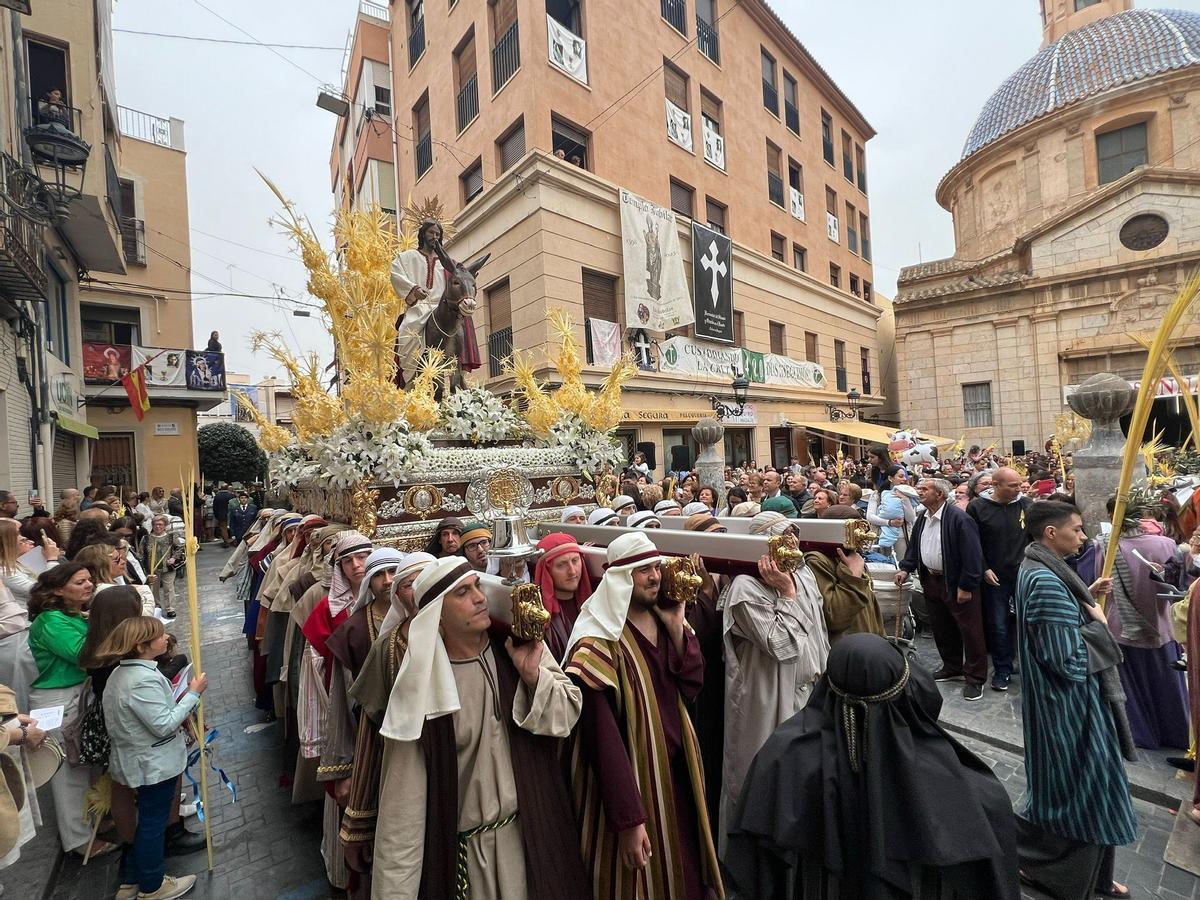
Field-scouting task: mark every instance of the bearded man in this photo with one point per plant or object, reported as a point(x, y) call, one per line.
point(639, 782)
point(472, 799)
point(565, 584)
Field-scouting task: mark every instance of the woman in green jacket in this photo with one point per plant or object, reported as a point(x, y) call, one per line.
point(56, 632)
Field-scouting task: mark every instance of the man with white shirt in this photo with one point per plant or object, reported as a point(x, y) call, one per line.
point(944, 549)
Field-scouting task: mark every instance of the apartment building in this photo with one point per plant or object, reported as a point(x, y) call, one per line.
point(145, 316)
point(526, 118)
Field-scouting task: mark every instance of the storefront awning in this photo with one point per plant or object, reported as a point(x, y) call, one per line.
point(876, 434)
point(66, 423)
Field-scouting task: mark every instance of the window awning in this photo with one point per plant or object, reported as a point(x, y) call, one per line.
point(876, 434)
point(83, 429)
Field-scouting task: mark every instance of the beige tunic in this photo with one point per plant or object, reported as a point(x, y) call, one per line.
point(775, 649)
point(487, 791)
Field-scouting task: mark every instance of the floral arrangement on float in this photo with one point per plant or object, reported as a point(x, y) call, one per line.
point(366, 449)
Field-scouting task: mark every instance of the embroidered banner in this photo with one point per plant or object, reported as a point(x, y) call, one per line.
point(656, 293)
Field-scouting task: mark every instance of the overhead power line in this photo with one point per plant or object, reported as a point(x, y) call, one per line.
point(212, 40)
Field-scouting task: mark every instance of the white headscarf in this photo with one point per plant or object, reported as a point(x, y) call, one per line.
point(621, 501)
point(410, 564)
point(667, 508)
point(603, 616)
point(769, 522)
point(696, 507)
point(569, 511)
point(425, 687)
point(642, 519)
point(380, 560)
point(347, 544)
point(602, 516)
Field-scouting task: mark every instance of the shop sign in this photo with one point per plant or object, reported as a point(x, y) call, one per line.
point(166, 428)
point(684, 356)
point(749, 416)
point(63, 394)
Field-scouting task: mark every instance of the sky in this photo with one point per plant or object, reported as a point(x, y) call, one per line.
point(919, 71)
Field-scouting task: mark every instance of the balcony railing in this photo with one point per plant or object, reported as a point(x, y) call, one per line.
point(133, 241)
point(707, 40)
point(166, 367)
point(848, 167)
point(500, 348)
point(424, 154)
point(144, 127)
point(770, 97)
point(468, 102)
point(827, 150)
point(791, 116)
point(775, 188)
point(862, 179)
point(675, 12)
point(375, 11)
point(506, 57)
point(22, 251)
point(866, 382)
point(416, 42)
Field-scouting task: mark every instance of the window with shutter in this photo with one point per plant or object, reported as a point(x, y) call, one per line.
point(778, 344)
point(500, 306)
point(739, 328)
point(676, 86)
point(464, 60)
point(778, 243)
point(512, 146)
point(599, 296)
point(472, 181)
point(421, 117)
point(715, 213)
point(811, 354)
point(504, 13)
point(710, 108)
point(681, 198)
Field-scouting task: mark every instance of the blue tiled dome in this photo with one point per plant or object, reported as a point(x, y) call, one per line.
point(1099, 57)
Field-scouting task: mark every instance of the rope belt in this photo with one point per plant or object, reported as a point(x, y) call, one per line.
point(851, 704)
point(463, 883)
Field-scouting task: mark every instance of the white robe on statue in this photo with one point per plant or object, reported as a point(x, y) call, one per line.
point(412, 269)
point(487, 791)
point(775, 650)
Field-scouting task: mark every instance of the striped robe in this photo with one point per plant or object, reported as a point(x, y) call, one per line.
point(1077, 783)
point(620, 667)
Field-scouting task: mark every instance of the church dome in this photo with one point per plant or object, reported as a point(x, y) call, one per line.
point(1117, 50)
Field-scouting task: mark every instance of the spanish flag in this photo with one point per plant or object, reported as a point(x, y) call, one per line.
point(135, 387)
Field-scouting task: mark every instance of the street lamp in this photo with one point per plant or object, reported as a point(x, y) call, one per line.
point(741, 389)
point(60, 155)
point(837, 414)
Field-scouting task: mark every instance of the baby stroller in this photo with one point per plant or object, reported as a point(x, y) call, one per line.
point(895, 603)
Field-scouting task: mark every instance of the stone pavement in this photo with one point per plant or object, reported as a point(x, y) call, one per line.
point(991, 728)
point(263, 846)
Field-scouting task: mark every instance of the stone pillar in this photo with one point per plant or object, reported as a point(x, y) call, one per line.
point(1102, 399)
point(710, 462)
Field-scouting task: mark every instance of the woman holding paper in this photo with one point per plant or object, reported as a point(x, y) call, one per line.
point(56, 635)
point(19, 564)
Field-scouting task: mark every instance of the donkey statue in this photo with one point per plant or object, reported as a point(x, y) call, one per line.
point(446, 327)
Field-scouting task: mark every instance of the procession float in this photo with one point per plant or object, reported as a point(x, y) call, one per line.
point(392, 448)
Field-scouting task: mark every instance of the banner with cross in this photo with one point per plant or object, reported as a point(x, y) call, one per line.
point(712, 284)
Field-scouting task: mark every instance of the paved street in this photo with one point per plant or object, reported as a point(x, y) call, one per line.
point(264, 847)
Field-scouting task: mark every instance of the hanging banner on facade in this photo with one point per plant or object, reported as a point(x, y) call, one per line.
point(684, 356)
point(712, 283)
point(105, 363)
point(241, 412)
point(163, 367)
point(205, 370)
point(656, 294)
point(567, 50)
point(606, 342)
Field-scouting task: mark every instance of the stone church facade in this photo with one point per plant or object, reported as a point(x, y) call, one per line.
point(1076, 208)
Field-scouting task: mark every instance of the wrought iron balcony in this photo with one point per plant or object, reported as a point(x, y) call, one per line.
point(467, 103)
point(145, 127)
point(416, 42)
point(424, 154)
point(827, 150)
point(506, 57)
point(770, 97)
point(500, 348)
point(775, 188)
point(791, 116)
point(22, 252)
point(708, 40)
point(675, 12)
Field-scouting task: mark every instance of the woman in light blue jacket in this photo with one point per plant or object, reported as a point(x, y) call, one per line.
point(148, 751)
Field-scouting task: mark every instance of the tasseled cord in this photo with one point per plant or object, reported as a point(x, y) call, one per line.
point(850, 724)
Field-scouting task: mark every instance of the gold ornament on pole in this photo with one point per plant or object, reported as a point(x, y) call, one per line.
point(191, 545)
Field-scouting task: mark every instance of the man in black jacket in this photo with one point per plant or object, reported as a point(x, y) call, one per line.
point(944, 550)
point(1000, 519)
point(221, 500)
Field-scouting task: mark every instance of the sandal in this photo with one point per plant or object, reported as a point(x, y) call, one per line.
point(1116, 890)
point(99, 848)
point(1193, 814)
